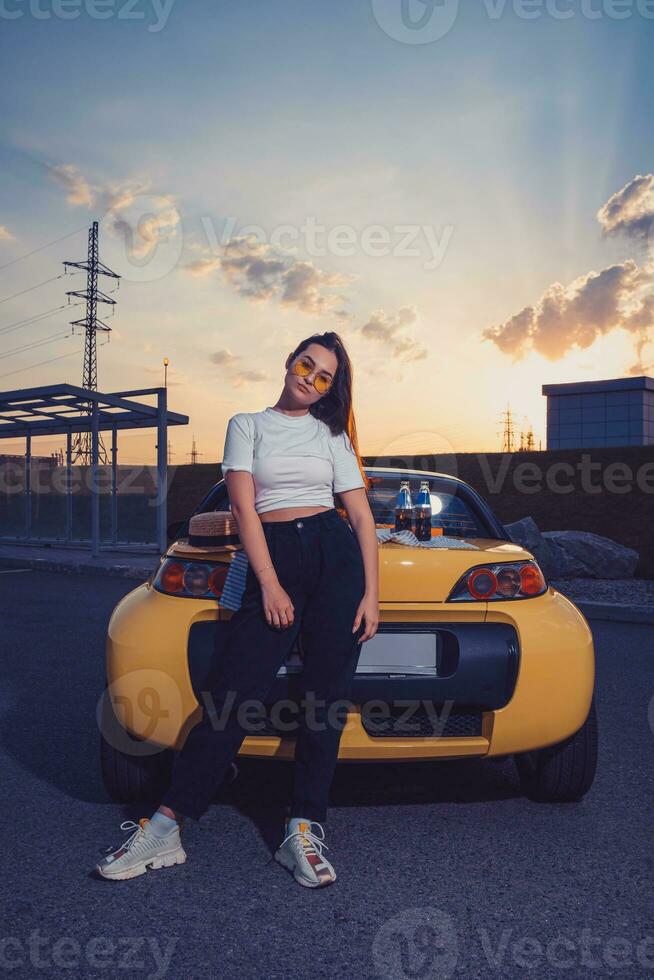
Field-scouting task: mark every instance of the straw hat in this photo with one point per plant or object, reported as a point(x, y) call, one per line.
point(209, 532)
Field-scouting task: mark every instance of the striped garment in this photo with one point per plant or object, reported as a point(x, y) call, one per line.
point(235, 581)
point(408, 537)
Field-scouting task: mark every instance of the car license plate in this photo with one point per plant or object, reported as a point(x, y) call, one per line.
point(403, 653)
point(394, 652)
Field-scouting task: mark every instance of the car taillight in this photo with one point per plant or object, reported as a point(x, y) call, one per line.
point(170, 577)
point(217, 579)
point(482, 583)
point(501, 580)
point(196, 580)
point(190, 579)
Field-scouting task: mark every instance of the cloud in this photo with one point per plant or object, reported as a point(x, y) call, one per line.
point(145, 233)
point(592, 305)
point(261, 272)
point(202, 267)
point(254, 269)
point(393, 331)
point(641, 321)
point(130, 210)
point(224, 357)
point(574, 316)
point(304, 286)
point(630, 211)
point(6, 235)
point(78, 190)
point(245, 377)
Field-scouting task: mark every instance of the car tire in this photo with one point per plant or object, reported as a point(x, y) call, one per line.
point(563, 772)
point(134, 779)
point(133, 771)
point(138, 776)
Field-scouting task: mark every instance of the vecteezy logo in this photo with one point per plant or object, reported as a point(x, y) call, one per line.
point(139, 711)
point(415, 21)
point(418, 942)
point(142, 236)
point(421, 449)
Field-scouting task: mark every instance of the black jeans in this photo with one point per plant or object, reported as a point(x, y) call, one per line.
point(319, 563)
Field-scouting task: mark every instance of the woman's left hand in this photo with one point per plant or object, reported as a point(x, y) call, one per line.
point(369, 611)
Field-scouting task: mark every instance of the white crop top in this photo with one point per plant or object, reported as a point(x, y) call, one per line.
point(295, 460)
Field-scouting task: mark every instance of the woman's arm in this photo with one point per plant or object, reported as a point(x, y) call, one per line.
point(277, 603)
point(362, 522)
point(240, 487)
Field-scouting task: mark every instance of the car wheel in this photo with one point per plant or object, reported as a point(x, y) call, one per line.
point(132, 770)
point(130, 779)
point(563, 772)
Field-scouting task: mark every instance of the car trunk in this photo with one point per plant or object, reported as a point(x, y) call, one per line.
point(418, 574)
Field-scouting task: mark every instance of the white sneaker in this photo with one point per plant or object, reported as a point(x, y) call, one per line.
point(140, 851)
point(301, 853)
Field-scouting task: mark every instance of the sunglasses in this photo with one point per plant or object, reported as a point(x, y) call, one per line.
point(303, 368)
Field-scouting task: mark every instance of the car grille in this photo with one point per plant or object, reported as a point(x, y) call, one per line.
point(395, 723)
point(405, 722)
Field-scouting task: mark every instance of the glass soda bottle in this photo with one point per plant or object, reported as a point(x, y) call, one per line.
point(422, 513)
point(404, 508)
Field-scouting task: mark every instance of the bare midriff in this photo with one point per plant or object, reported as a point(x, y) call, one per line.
point(290, 513)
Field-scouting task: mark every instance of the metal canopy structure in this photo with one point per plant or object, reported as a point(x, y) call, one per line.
point(63, 409)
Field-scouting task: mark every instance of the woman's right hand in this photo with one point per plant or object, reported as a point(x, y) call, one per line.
point(277, 605)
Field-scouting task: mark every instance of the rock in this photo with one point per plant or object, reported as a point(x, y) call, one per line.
point(566, 565)
point(526, 533)
point(574, 554)
point(582, 554)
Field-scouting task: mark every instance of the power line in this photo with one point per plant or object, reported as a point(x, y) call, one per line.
point(30, 288)
point(38, 343)
point(40, 363)
point(36, 318)
point(41, 247)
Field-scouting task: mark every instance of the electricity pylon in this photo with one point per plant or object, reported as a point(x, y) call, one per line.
point(527, 441)
point(194, 454)
point(508, 440)
point(81, 446)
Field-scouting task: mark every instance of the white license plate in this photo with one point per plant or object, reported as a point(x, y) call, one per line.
point(387, 653)
point(403, 653)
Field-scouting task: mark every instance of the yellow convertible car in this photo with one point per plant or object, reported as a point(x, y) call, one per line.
point(475, 655)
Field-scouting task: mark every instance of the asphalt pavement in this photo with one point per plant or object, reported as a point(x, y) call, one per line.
point(444, 869)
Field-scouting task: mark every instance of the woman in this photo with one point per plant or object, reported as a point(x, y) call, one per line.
point(306, 569)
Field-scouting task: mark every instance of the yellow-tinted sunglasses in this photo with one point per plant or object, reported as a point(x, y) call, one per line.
point(303, 368)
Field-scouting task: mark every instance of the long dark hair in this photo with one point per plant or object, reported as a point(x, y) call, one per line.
point(335, 408)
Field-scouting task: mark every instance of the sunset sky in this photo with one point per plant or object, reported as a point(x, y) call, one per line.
point(472, 211)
